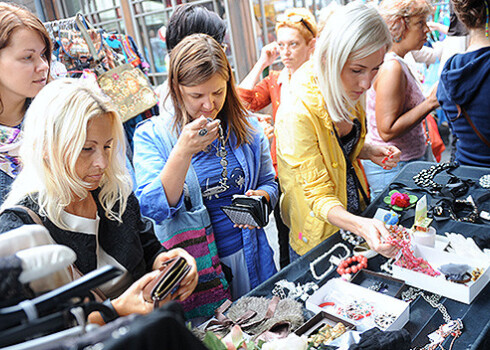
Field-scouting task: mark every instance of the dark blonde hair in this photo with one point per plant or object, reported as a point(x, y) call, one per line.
point(309, 21)
point(13, 17)
point(397, 14)
point(194, 61)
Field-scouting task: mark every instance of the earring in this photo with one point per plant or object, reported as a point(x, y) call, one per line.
point(397, 40)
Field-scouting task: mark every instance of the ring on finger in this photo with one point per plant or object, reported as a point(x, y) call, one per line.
point(203, 132)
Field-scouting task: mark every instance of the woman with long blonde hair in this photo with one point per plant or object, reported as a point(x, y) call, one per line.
point(75, 179)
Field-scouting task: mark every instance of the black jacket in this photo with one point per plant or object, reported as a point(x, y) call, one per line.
point(133, 243)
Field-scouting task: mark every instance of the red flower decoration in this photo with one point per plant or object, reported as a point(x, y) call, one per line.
point(115, 76)
point(400, 199)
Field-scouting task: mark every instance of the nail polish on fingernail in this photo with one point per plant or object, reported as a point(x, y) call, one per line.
point(384, 167)
point(391, 156)
point(384, 160)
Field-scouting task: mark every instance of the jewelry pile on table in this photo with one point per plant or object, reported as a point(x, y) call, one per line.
point(400, 237)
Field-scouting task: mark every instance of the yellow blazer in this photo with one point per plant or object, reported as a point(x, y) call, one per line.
point(311, 166)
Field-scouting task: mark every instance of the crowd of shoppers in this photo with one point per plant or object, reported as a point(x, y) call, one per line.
point(347, 114)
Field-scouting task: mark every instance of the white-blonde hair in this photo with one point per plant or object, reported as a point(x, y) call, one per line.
point(54, 133)
point(354, 32)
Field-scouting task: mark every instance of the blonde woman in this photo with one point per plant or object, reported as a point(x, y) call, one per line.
point(191, 163)
point(74, 177)
point(322, 137)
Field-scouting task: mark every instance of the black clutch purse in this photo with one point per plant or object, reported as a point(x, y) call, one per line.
point(167, 282)
point(248, 210)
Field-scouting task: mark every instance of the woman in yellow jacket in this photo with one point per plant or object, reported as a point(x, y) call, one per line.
point(322, 191)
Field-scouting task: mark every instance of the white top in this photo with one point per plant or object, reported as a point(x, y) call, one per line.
point(116, 286)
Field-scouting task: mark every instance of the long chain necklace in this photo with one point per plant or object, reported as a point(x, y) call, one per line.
point(222, 183)
point(451, 327)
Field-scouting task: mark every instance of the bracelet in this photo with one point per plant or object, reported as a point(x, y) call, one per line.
point(107, 317)
point(344, 267)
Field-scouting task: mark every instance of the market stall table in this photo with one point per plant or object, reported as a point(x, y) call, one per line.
point(424, 319)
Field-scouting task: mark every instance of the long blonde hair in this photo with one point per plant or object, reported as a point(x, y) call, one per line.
point(55, 130)
point(354, 32)
point(194, 61)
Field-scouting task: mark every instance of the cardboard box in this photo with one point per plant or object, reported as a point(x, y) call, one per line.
point(340, 291)
point(464, 293)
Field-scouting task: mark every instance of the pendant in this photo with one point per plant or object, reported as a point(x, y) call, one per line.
point(214, 191)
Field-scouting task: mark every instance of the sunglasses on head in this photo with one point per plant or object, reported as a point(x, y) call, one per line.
point(295, 19)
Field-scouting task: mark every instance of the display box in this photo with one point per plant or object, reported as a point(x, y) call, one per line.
point(319, 320)
point(342, 293)
point(389, 285)
point(464, 293)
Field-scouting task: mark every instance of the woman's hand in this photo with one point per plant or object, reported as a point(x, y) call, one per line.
point(383, 155)
point(269, 54)
point(265, 120)
point(132, 301)
point(254, 193)
point(193, 139)
point(189, 283)
point(432, 98)
point(376, 234)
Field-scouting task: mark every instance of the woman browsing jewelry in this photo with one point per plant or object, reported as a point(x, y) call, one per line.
point(25, 56)
point(207, 146)
point(322, 138)
point(75, 179)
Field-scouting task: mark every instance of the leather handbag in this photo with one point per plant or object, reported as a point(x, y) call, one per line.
point(127, 86)
point(172, 272)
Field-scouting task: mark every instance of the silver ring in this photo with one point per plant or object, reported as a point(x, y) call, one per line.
point(203, 132)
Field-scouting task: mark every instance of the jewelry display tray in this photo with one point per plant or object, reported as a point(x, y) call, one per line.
point(382, 303)
point(464, 293)
point(366, 278)
point(319, 320)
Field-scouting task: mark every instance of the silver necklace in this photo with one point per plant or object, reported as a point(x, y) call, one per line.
point(222, 183)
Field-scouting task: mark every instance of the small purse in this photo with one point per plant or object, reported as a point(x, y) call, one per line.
point(172, 272)
point(248, 210)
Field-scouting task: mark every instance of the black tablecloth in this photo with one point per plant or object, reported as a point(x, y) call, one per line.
point(423, 318)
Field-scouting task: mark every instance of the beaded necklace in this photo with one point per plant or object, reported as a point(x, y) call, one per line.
point(222, 183)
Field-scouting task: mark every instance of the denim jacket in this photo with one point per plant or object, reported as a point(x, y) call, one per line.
point(153, 142)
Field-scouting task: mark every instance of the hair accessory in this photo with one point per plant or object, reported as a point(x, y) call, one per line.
point(332, 260)
point(345, 268)
point(295, 19)
point(399, 201)
point(485, 181)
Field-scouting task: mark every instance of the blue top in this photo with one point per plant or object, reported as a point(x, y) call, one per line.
point(208, 169)
point(153, 142)
point(465, 80)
